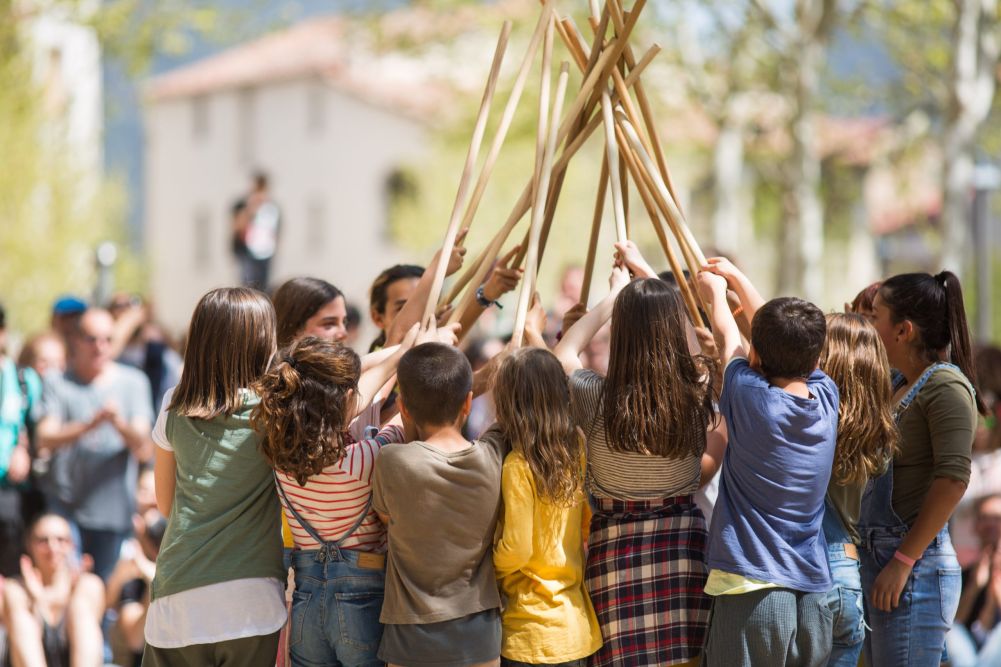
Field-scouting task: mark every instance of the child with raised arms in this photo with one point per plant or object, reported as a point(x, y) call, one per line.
point(548, 618)
point(769, 574)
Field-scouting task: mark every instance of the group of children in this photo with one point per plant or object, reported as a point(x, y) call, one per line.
point(567, 533)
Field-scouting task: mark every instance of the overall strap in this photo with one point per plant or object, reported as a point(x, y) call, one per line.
point(312, 531)
point(906, 401)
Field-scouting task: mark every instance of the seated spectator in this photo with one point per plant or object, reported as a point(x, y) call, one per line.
point(53, 610)
point(128, 588)
point(975, 638)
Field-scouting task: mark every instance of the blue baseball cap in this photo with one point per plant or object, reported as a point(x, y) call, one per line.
point(69, 305)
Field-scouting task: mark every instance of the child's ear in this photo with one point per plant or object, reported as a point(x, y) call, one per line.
point(752, 358)
point(467, 405)
point(906, 331)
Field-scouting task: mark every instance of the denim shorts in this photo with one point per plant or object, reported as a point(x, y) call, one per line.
point(335, 611)
point(845, 601)
point(913, 634)
point(456, 643)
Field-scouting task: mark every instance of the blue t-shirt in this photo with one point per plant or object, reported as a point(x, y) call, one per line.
point(768, 519)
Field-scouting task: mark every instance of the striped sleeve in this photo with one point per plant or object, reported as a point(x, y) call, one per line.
point(585, 397)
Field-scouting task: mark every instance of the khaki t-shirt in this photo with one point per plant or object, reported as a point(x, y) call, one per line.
point(443, 509)
point(847, 502)
point(936, 440)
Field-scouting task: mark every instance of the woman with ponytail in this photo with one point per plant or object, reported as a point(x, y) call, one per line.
point(909, 567)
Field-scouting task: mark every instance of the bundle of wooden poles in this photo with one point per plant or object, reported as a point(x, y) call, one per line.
point(612, 96)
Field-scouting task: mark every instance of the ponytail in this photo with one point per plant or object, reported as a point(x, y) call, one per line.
point(922, 299)
point(960, 344)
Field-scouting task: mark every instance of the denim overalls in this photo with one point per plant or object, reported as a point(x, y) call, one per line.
point(336, 603)
point(913, 634)
point(845, 597)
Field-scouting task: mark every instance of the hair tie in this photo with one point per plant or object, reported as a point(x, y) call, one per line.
point(941, 277)
point(291, 362)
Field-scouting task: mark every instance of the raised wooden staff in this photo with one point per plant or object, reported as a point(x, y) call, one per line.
point(495, 147)
point(538, 210)
point(460, 198)
point(592, 246)
point(523, 203)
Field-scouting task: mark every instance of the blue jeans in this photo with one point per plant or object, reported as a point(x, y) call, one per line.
point(335, 611)
point(913, 634)
point(845, 600)
point(963, 651)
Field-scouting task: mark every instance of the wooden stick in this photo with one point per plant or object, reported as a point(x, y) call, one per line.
point(523, 203)
point(632, 165)
point(556, 188)
point(460, 198)
point(592, 248)
point(508, 116)
point(624, 184)
point(671, 211)
point(538, 212)
point(619, 19)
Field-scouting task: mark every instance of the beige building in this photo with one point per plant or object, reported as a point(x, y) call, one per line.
point(330, 127)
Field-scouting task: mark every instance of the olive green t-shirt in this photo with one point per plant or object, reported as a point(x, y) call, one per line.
point(936, 440)
point(847, 503)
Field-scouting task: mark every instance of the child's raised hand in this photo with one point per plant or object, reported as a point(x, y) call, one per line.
point(502, 278)
point(628, 253)
point(711, 285)
point(446, 335)
point(721, 266)
point(536, 320)
point(619, 278)
point(458, 254)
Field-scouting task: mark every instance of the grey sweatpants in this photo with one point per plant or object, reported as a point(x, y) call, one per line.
point(775, 627)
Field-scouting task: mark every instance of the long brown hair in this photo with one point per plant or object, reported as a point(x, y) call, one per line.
point(854, 357)
point(533, 411)
point(231, 342)
point(658, 397)
point(304, 408)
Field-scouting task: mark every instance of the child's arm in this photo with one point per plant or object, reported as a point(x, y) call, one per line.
point(414, 308)
point(164, 480)
point(514, 548)
point(502, 280)
point(750, 299)
point(580, 334)
point(712, 459)
point(374, 379)
point(725, 330)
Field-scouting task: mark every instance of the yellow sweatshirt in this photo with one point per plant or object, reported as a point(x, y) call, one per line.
point(539, 558)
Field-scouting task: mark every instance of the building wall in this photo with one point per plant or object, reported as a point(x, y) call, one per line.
point(328, 155)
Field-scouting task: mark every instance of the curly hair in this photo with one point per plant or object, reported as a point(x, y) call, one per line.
point(854, 357)
point(304, 409)
point(533, 411)
point(658, 398)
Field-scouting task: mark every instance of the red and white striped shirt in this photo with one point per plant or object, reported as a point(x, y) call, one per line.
point(332, 500)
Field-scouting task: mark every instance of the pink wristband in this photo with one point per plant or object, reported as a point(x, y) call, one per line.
point(906, 560)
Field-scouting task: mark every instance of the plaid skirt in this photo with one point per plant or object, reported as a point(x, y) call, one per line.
point(646, 575)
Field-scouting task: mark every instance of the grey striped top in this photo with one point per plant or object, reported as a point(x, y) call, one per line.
point(624, 475)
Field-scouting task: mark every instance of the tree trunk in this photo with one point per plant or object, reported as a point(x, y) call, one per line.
point(728, 181)
point(976, 46)
point(804, 229)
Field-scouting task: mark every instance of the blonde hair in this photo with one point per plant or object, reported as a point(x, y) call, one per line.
point(533, 412)
point(854, 357)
